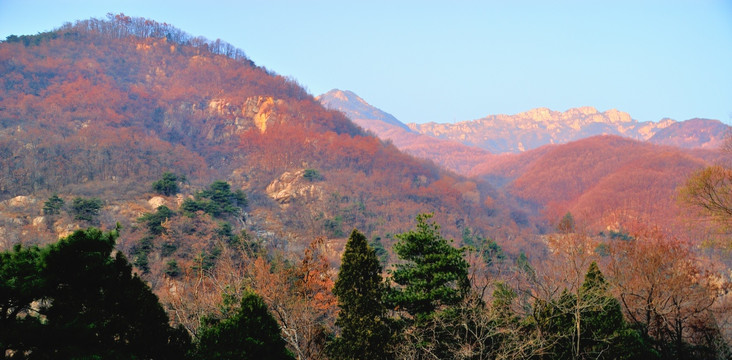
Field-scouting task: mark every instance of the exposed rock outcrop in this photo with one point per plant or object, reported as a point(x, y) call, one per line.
point(157, 201)
point(293, 185)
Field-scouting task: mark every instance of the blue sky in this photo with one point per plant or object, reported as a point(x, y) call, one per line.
point(451, 61)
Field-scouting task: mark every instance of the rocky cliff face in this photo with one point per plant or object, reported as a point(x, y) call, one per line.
point(542, 126)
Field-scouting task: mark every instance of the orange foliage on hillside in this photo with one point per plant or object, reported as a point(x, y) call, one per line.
point(604, 181)
point(125, 99)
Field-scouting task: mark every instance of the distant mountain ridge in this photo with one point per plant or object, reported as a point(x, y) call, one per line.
point(452, 155)
point(537, 127)
point(534, 128)
point(603, 167)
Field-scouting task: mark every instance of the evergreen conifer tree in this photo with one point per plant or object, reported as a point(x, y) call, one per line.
point(589, 324)
point(365, 332)
point(74, 300)
point(53, 205)
point(434, 274)
point(252, 333)
point(168, 184)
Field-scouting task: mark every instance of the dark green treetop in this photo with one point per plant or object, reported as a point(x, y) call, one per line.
point(434, 273)
point(365, 331)
point(53, 205)
point(217, 200)
point(154, 221)
point(20, 286)
point(86, 209)
point(589, 324)
point(168, 184)
point(251, 333)
point(88, 305)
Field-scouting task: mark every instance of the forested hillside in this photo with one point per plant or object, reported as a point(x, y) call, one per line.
point(605, 181)
point(104, 107)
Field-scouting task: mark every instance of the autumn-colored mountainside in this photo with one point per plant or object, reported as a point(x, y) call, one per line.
point(230, 192)
point(694, 133)
point(103, 107)
point(449, 154)
point(606, 180)
point(538, 127)
point(603, 180)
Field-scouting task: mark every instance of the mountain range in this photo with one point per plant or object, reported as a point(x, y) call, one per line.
point(604, 167)
point(534, 128)
point(221, 180)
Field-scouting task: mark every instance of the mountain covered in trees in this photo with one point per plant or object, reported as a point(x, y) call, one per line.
point(226, 195)
point(104, 107)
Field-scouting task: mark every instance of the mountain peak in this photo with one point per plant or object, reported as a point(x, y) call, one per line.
point(541, 114)
point(341, 95)
point(583, 110)
point(356, 108)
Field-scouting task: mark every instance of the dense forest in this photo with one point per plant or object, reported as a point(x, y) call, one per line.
point(208, 208)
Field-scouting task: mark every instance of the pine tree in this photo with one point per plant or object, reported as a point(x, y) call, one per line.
point(53, 205)
point(252, 333)
point(360, 289)
point(20, 285)
point(589, 324)
point(435, 273)
point(168, 184)
point(73, 300)
point(605, 334)
point(86, 209)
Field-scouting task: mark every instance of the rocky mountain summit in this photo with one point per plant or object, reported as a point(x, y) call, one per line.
point(358, 110)
point(541, 126)
point(528, 130)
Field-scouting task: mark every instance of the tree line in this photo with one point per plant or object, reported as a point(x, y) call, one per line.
point(79, 298)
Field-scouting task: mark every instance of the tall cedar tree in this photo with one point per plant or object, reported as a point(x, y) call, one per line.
point(365, 331)
point(434, 273)
point(252, 333)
